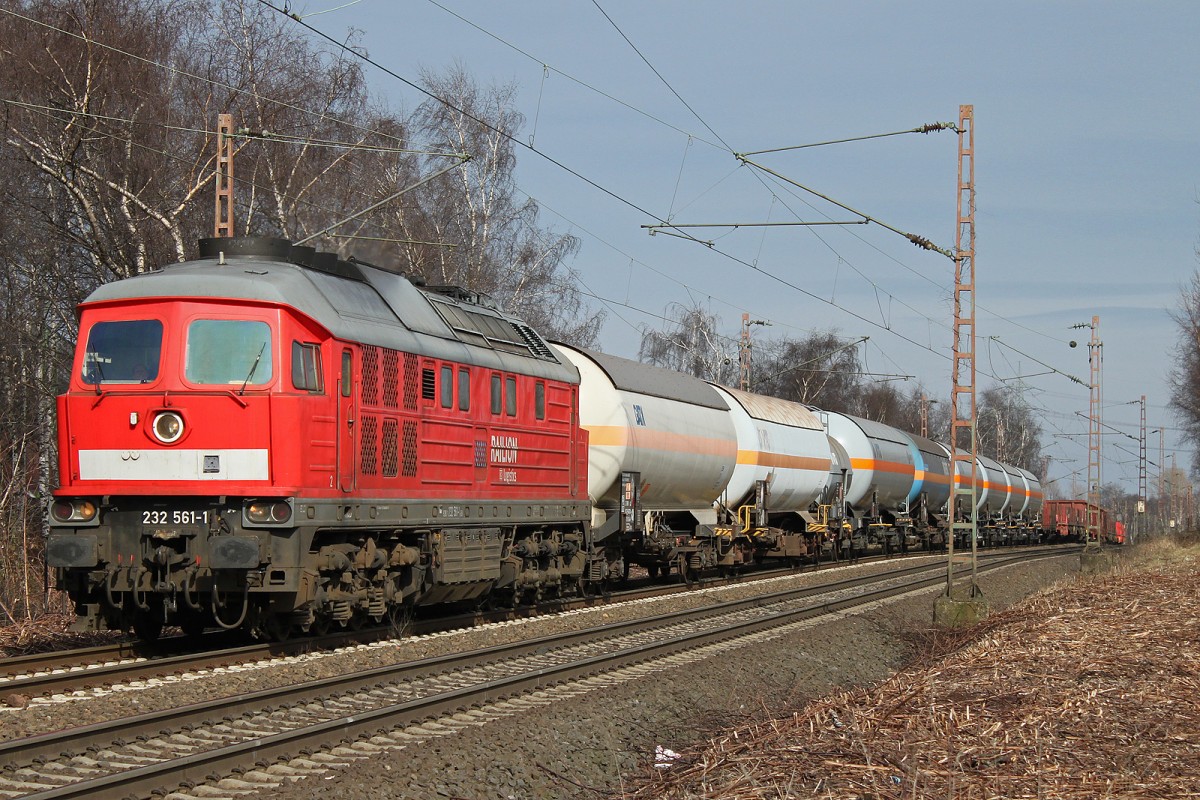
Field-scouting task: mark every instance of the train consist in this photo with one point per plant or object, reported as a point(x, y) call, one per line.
point(272, 439)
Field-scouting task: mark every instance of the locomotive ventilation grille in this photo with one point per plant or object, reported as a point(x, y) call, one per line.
point(410, 449)
point(370, 375)
point(391, 378)
point(370, 445)
point(391, 458)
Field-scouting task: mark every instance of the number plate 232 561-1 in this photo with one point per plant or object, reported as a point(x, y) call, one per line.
point(158, 516)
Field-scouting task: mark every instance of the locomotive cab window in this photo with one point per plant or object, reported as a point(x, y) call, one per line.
point(539, 399)
point(347, 371)
point(306, 367)
point(125, 351)
point(229, 352)
point(510, 396)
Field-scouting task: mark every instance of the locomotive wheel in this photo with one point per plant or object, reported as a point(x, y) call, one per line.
point(652, 571)
point(278, 628)
point(192, 624)
point(147, 626)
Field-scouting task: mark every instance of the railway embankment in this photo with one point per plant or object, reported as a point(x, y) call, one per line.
point(1090, 689)
point(604, 744)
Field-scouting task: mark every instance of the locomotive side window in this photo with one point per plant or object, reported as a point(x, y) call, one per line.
point(123, 352)
point(347, 372)
point(539, 399)
point(497, 394)
point(464, 389)
point(447, 386)
point(510, 396)
point(306, 367)
point(229, 351)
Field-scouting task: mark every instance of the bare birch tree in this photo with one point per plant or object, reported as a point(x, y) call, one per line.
point(108, 152)
point(1185, 377)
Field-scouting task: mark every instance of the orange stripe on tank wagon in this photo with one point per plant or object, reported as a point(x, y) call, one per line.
point(622, 436)
point(882, 466)
point(761, 459)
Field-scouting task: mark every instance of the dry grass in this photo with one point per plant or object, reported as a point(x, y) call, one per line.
point(1090, 689)
point(47, 633)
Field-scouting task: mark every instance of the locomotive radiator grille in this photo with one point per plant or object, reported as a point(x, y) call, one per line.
point(410, 381)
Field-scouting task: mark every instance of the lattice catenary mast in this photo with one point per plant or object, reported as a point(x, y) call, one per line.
point(962, 395)
point(223, 226)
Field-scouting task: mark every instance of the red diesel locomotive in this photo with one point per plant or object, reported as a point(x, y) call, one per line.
point(273, 439)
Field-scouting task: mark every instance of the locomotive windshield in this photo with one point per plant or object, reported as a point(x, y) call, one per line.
point(229, 351)
point(123, 352)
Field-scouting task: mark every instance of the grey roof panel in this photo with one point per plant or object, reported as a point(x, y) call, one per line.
point(387, 310)
point(635, 376)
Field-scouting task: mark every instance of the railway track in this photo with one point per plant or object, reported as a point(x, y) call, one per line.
point(64, 672)
point(256, 741)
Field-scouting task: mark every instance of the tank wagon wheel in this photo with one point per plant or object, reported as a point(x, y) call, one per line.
point(681, 566)
point(147, 625)
point(652, 571)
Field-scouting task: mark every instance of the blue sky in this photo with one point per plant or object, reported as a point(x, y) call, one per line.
point(1087, 171)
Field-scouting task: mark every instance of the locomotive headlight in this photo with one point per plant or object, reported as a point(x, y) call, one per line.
point(168, 427)
point(269, 512)
point(73, 510)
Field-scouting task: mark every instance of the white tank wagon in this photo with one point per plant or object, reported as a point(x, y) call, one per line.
point(780, 444)
point(1022, 515)
point(882, 476)
point(932, 483)
point(661, 444)
point(1030, 517)
point(784, 483)
point(984, 494)
point(994, 510)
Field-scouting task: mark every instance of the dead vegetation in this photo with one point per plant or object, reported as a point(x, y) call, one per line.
point(45, 634)
point(1090, 689)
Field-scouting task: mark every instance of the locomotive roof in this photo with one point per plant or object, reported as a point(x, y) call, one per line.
point(354, 301)
point(634, 376)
